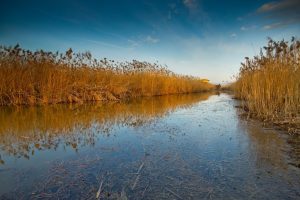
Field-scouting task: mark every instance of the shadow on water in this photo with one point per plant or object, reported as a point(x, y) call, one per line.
point(170, 147)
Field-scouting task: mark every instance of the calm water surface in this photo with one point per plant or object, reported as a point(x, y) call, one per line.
point(171, 147)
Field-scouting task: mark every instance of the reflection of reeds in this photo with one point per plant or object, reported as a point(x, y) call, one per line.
point(24, 130)
point(270, 83)
point(44, 77)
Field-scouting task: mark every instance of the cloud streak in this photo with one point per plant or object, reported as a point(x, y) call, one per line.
point(275, 25)
point(280, 13)
point(283, 5)
point(101, 43)
point(192, 5)
point(247, 28)
point(152, 40)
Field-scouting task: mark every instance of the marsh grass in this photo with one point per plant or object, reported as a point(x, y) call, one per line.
point(270, 83)
point(41, 77)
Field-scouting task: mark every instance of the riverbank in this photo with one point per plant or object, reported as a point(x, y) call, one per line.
point(41, 77)
point(269, 85)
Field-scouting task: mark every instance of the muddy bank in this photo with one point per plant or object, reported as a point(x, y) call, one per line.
point(290, 125)
point(90, 96)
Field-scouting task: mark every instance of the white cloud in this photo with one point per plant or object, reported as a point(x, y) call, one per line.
point(150, 39)
point(247, 28)
point(233, 35)
point(133, 43)
point(190, 4)
point(98, 42)
point(275, 25)
point(139, 41)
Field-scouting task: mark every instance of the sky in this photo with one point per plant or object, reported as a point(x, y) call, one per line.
point(204, 38)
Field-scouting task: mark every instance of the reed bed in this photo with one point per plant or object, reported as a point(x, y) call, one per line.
point(270, 83)
point(41, 77)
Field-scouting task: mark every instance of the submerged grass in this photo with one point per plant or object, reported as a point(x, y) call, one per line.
point(270, 83)
point(41, 77)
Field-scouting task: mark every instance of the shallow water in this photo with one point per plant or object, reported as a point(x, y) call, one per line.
point(171, 147)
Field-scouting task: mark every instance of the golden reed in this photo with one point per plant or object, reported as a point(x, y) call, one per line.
point(270, 83)
point(41, 77)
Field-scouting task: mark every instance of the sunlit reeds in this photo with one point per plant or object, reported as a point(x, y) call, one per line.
point(41, 77)
point(270, 83)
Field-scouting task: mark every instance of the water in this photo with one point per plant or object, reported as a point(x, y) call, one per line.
point(171, 147)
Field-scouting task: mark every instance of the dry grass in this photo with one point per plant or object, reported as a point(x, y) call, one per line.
point(228, 87)
point(44, 77)
point(270, 83)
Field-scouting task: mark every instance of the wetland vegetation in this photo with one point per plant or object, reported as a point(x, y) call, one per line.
point(42, 77)
point(270, 84)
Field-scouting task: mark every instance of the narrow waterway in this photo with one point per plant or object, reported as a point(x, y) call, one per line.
point(171, 147)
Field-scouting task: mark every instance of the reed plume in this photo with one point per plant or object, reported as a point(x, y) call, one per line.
point(270, 83)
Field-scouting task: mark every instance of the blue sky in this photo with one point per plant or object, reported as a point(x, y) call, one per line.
point(206, 38)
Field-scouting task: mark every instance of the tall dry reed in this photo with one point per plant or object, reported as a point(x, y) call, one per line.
point(41, 77)
point(270, 82)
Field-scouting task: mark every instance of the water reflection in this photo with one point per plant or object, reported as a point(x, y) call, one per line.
point(26, 130)
point(170, 147)
point(267, 146)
